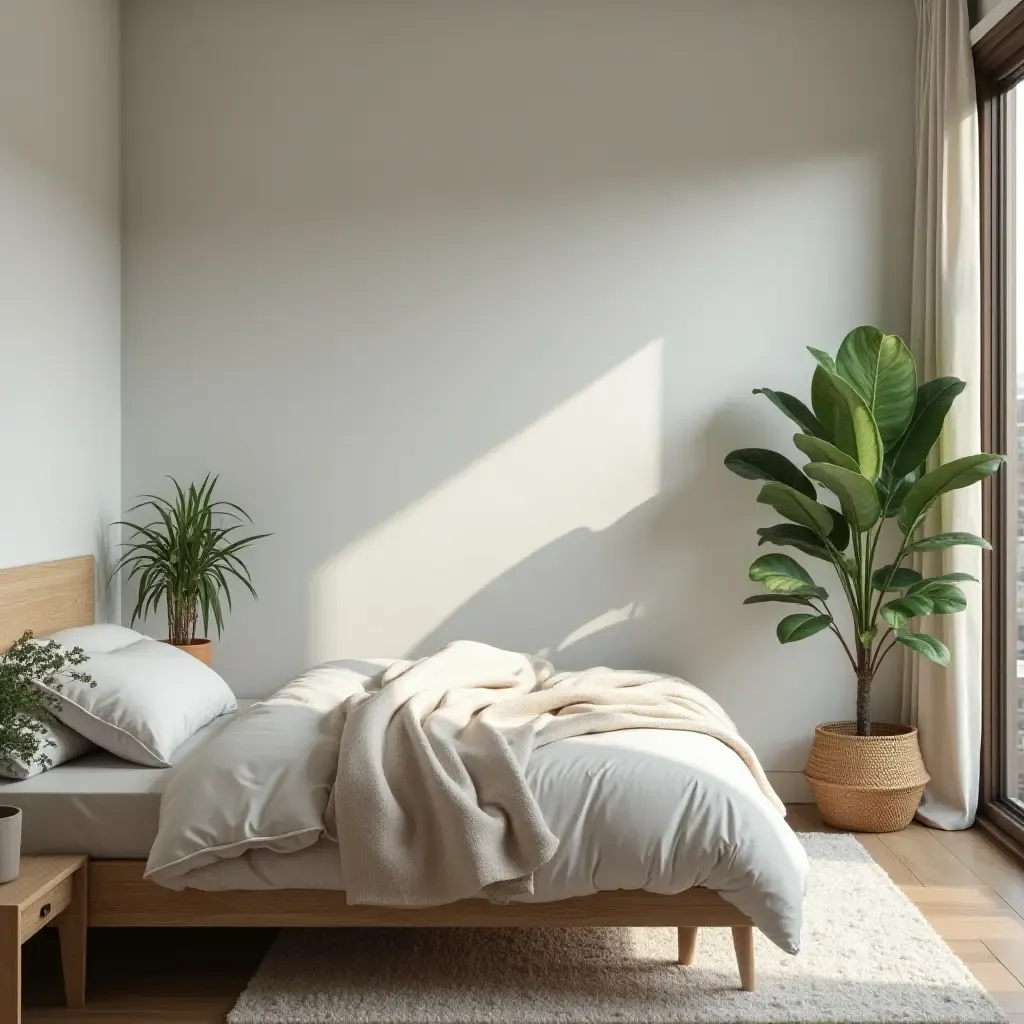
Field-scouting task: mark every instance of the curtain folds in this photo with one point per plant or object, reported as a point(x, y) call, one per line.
point(945, 704)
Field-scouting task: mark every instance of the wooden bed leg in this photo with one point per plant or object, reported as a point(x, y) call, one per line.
point(687, 945)
point(743, 943)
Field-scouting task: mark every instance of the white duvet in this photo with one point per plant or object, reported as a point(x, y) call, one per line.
point(632, 809)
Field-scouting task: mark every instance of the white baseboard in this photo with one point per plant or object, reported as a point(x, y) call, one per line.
point(791, 786)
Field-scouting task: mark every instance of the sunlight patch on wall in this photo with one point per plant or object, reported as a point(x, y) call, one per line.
point(584, 464)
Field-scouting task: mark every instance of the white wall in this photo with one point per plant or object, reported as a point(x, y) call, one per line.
point(60, 428)
point(466, 302)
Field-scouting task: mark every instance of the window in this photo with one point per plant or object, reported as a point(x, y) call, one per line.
point(999, 64)
point(1013, 692)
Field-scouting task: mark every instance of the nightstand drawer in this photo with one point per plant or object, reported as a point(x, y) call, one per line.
point(45, 908)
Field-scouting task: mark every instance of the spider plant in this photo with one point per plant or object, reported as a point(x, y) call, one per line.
point(867, 438)
point(185, 556)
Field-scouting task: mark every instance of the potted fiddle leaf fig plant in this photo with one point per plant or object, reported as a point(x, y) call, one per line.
point(867, 437)
point(184, 557)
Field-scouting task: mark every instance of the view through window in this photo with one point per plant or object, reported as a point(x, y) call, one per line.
point(1015, 466)
point(999, 67)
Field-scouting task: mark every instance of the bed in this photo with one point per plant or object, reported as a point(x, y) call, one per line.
point(98, 805)
point(109, 810)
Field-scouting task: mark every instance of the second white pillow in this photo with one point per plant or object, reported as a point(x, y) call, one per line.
point(149, 697)
point(59, 743)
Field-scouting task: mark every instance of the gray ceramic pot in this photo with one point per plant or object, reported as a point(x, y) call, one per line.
point(10, 843)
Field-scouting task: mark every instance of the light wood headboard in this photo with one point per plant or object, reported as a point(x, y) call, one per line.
point(46, 597)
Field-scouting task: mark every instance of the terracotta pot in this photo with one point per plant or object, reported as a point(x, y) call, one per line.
point(866, 783)
point(10, 843)
point(200, 649)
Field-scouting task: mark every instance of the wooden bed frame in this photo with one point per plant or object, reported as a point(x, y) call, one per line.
point(57, 595)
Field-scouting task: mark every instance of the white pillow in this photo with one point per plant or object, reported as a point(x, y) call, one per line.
point(102, 638)
point(149, 696)
point(66, 745)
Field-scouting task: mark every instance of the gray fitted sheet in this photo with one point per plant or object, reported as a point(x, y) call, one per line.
point(97, 804)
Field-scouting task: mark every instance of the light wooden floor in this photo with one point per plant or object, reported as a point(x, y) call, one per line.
point(971, 892)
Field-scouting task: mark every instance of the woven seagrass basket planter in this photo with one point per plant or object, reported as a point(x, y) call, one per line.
point(866, 783)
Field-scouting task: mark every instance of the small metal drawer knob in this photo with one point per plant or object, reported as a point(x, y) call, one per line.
point(44, 910)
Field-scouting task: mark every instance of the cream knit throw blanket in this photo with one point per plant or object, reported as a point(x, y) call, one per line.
point(431, 803)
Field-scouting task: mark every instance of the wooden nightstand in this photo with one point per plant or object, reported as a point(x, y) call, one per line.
point(48, 888)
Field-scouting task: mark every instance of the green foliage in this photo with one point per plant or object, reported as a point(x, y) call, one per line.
point(25, 707)
point(857, 495)
point(868, 434)
point(795, 506)
point(846, 417)
point(923, 644)
point(802, 596)
point(948, 540)
point(934, 399)
point(959, 473)
point(791, 535)
point(818, 450)
point(794, 409)
point(801, 626)
point(185, 557)
point(891, 577)
point(880, 368)
point(763, 464)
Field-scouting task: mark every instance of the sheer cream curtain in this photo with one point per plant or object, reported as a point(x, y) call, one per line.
point(945, 704)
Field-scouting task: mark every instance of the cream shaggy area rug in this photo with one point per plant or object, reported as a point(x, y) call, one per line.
point(867, 954)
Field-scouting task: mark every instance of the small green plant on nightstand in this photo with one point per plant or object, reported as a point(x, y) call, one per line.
point(25, 707)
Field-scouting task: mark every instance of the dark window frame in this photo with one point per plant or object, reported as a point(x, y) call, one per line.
point(999, 66)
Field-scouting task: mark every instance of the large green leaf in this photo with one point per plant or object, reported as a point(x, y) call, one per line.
point(947, 602)
point(832, 413)
point(887, 578)
point(794, 409)
point(780, 574)
point(946, 598)
point(939, 541)
point(805, 540)
point(793, 536)
point(856, 494)
point(959, 473)
point(847, 421)
point(764, 464)
point(928, 646)
point(819, 450)
point(799, 598)
point(791, 504)
point(897, 613)
point(882, 371)
point(800, 626)
point(934, 399)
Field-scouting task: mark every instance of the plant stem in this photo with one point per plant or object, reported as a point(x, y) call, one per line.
point(838, 563)
point(860, 610)
point(881, 656)
point(846, 648)
point(900, 555)
point(832, 626)
point(864, 676)
point(877, 660)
